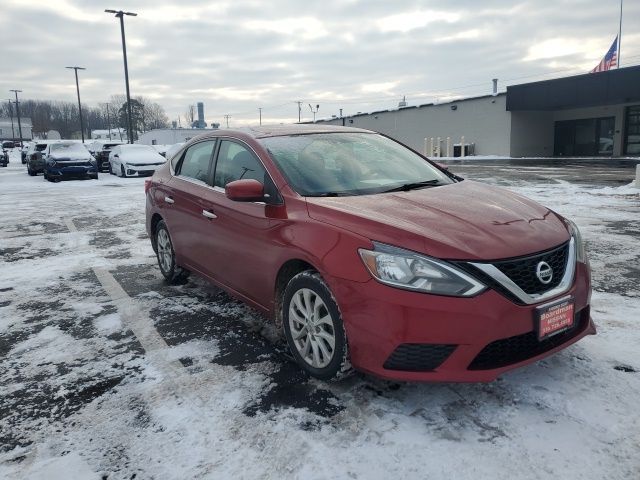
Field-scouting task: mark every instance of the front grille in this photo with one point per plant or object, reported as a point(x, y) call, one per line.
point(418, 357)
point(508, 351)
point(74, 164)
point(522, 271)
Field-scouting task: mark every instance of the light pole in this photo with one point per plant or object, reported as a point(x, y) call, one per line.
point(260, 110)
point(79, 105)
point(226, 117)
point(13, 131)
point(314, 111)
point(120, 14)
point(18, 114)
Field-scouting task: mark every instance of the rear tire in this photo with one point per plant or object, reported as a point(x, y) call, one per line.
point(166, 256)
point(313, 326)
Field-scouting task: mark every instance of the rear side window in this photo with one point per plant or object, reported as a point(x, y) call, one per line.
point(197, 160)
point(235, 162)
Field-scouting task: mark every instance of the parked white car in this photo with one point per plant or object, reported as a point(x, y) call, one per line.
point(173, 149)
point(134, 160)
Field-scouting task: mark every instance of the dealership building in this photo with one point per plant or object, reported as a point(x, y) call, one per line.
point(591, 115)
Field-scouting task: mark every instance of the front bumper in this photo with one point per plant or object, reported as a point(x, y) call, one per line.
point(140, 170)
point(464, 339)
point(72, 172)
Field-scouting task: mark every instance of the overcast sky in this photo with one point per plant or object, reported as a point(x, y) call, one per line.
point(359, 55)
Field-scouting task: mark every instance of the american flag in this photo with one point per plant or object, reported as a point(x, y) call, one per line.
point(610, 60)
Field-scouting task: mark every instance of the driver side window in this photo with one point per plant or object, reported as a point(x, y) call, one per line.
point(197, 161)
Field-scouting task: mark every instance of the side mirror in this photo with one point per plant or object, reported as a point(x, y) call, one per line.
point(248, 190)
point(116, 156)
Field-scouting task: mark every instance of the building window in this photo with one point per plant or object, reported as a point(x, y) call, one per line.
point(632, 133)
point(585, 137)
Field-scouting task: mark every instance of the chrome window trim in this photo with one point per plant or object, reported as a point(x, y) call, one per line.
point(506, 282)
point(213, 187)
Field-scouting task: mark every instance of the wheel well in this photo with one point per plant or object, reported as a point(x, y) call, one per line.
point(287, 271)
point(154, 223)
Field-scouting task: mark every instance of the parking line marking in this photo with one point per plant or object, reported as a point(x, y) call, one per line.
point(136, 319)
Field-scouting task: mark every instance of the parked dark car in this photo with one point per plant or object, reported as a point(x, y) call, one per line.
point(4, 158)
point(67, 160)
point(36, 155)
point(102, 155)
point(23, 152)
point(369, 255)
point(7, 144)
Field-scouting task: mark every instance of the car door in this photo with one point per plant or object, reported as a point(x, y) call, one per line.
point(238, 236)
point(184, 204)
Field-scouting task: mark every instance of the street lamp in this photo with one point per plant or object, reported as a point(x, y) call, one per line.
point(314, 111)
point(18, 113)
point(79, 105)
point(120, 14)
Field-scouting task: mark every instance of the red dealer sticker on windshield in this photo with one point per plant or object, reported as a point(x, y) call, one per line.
point(556, 318)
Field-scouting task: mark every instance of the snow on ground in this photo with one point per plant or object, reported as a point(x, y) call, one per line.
point(211, 396)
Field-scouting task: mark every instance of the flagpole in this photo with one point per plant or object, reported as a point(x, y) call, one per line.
point(620, 35)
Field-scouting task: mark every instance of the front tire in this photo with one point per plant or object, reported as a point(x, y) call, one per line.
point(122, 171)
point(166, 256)
point(313, 326)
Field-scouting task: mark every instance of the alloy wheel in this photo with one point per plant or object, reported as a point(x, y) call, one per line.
point(165, 250)
point(312, 328)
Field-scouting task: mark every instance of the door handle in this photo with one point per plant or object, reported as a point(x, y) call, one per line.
point(209, 214)
point(169, 200)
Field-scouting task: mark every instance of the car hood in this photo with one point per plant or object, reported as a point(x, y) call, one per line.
point(461, 221)
point(142, 158)
point(70, 157)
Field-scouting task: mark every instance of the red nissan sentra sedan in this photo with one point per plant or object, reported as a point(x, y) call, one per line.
point(367, 254)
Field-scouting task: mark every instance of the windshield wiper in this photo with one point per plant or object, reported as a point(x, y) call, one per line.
point(414, 185)
point(329, 194)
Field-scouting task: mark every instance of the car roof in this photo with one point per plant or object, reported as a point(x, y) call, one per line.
point(286, 130)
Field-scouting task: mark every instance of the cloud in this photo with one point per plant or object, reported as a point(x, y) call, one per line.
point(407, 21)
point(358, 55)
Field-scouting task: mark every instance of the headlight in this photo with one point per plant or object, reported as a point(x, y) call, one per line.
point(581, 250)
point(405, 269)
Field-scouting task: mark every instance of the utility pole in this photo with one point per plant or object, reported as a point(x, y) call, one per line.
point(18, 114)
point(314, 111)
point(120, 14)
point(226, 117)
point(13, 131)
point(260, 110)
point(79, 105)
point(299, 102)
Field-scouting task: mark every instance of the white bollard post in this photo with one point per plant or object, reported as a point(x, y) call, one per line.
point(638, 176)
point(462, 146)
point(425, 149)
point(431, 147)
point(448, 146)
point(439, 147)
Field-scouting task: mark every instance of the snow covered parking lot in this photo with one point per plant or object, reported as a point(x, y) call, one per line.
point(108, 373)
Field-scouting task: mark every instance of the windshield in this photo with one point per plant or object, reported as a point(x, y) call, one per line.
point(326, 164)
point(41, 146)
point(68, 148)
